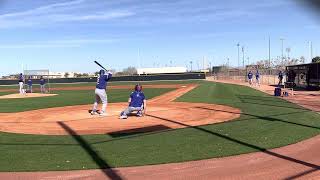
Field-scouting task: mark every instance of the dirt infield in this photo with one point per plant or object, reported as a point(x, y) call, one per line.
point(28, 95)
point(162, 114)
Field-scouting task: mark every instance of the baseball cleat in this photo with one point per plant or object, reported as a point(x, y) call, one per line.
point(103, 114)
point(93, 113)
point(123, 117)
point(139, 114)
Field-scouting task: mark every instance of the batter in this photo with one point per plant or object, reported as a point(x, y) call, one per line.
point(100, 93)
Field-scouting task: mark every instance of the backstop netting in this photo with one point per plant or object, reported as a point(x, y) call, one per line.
point(35, 75)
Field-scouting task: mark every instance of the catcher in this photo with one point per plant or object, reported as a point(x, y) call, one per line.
point(137, 102)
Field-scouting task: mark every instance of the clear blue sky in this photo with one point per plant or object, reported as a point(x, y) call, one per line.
point(68, 35)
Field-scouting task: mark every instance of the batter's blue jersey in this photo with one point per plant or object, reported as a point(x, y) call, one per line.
point(137, 98)
point(102, 80)
point(20, 78)
point(250, 75)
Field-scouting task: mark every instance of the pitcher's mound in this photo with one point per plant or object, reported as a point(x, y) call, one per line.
point(28, 95)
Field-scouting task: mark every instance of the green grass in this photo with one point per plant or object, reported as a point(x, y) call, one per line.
point(69, 98)
point(267, 122)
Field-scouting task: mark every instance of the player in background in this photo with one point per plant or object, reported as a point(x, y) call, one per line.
point(280, 77)
point(42, 85)
point(137, 102)
point(100, 92)
point(258, 78)
point(21, 82)
point(250, 76)
point(29, 82)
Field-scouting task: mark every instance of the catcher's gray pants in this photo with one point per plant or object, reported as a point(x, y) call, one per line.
point(101, 95)
point(129, 110)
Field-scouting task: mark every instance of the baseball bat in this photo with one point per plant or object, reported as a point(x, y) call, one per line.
point(100, 65)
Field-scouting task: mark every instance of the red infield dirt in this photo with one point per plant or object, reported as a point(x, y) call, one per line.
point(162, 114)
point(28, 95)
point(297, 161)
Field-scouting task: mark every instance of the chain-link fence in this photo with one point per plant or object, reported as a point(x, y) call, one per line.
point(267, 75)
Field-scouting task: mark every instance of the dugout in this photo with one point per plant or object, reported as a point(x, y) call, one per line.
point(304, 75)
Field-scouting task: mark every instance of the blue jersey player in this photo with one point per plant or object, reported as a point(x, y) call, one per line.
point(42, 85)
point(100, 92)
point(258, 78)
point(250, 76)
point(29, 82)
point(137, 102)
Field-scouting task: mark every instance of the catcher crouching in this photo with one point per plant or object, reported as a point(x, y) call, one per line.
point(137, 103)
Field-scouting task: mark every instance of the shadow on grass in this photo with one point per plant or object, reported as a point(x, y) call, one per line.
point(268, 152)
point(246, 100)
point(267, 117)
point(103, 165)
point(136, 131)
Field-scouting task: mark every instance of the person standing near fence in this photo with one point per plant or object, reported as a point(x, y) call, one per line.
point(280, 77)
point(250, 76)
point(21, 82)
point(42, 85)
point(258, 78)
point(29, 85)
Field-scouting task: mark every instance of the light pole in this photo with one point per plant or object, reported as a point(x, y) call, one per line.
point(190, 66)
point(238, 54)
point(311, 50)
point(228, 61)
point(281, 39)
point(269, 52)
point(243, 56)
point(288, 50)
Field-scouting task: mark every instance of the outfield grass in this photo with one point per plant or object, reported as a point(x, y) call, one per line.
point(267, 122)
point(69, 98)
point(54, 85)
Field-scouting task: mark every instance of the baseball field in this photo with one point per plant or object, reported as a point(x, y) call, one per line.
point(186, 121)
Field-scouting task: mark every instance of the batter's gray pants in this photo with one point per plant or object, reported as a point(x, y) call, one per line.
point(101, 95)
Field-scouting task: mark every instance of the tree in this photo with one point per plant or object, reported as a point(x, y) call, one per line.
point(66, 75)
point(302, 59)
point(316, 59)
point(129, 71)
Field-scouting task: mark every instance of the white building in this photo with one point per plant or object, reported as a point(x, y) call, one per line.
point(163, 70)
point(62, 74)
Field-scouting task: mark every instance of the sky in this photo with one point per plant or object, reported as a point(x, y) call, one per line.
point(68, 35)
